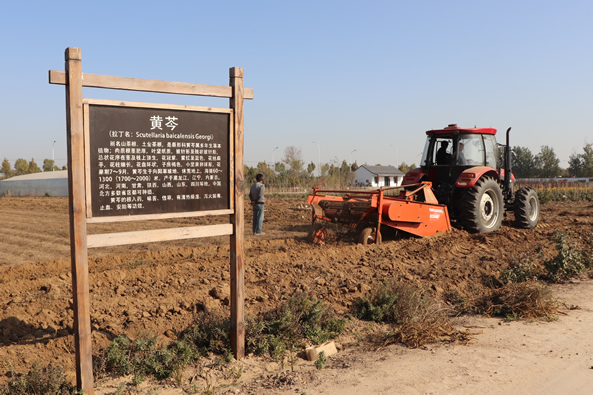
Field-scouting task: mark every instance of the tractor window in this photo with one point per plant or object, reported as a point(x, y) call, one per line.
point(470, 150)
point(426, 154)
point(492, 153)
point(440, 152)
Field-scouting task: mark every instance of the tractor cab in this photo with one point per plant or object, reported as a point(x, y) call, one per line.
point(458, 147)
point(450, 154)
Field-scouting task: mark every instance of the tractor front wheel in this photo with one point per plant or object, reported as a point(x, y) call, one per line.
point(367, 236)
point(317, 234)
point(526, 208)
point(482, 207)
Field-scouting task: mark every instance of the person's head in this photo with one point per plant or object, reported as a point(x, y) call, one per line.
point(461, 145)
point(444, 144)
point(259, 177)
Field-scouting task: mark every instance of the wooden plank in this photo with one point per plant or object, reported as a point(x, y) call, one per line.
point(149, 236)
point(77, 208)
point(237, 238)
point(147, 217)
point(157, 105)
point(144, 85)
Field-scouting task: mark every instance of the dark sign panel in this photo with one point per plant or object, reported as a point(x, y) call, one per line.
point(157, 160)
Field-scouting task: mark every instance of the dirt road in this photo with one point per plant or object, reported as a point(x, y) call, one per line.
point(532, 357)
point(159, 286)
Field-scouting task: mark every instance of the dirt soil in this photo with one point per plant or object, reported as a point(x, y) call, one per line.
point(159, 287)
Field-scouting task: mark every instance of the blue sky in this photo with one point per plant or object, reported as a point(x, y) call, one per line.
point(368, 76)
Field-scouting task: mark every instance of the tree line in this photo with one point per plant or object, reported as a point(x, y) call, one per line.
point(21, 167)
point(545, 164)
point(291, 171)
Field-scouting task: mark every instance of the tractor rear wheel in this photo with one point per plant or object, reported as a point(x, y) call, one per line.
point(317, 234)
point(367, 236)
point(482, 207)
point(526, 208)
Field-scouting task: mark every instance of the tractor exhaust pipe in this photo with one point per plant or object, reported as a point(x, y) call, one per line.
point(507, 167)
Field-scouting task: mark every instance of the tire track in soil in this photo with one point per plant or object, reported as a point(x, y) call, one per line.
point(33, 235)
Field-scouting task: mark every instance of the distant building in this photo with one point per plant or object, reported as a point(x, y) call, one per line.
point(48, 183)
point(377, 176)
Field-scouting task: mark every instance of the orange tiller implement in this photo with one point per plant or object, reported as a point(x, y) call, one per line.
point(415, 210)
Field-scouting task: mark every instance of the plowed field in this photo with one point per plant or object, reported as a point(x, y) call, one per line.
point(157, 287)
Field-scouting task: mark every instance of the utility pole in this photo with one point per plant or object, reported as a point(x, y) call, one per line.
point(350, 158)
point(273, 162)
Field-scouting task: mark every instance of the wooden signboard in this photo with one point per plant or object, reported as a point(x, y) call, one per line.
point(135, 161)
point(157, 160)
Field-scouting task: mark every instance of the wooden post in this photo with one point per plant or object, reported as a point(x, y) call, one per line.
point(237, 238)
point(78, 245)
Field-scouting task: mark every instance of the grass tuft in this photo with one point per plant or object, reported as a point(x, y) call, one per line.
point(48, 380)
point(519, 301)
point(575, 255)
point(143, 357)
point(418, 319)
point(300, 319)
point(210, 333)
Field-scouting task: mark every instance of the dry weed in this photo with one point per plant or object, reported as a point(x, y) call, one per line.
point(417, 318)
point(519, 301)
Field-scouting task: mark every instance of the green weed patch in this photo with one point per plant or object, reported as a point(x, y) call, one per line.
point(48, 380)
point(416, 317)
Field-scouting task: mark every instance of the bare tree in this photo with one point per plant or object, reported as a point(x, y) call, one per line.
point(293, 158)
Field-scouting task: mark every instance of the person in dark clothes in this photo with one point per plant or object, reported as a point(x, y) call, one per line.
point(256, 195)
point(443, 158)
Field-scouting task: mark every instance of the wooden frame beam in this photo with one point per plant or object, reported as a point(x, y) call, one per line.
point(143, 85)
point(155, 235)
point(146, 217)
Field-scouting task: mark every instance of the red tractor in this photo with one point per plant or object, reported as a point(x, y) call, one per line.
point(471, 174)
